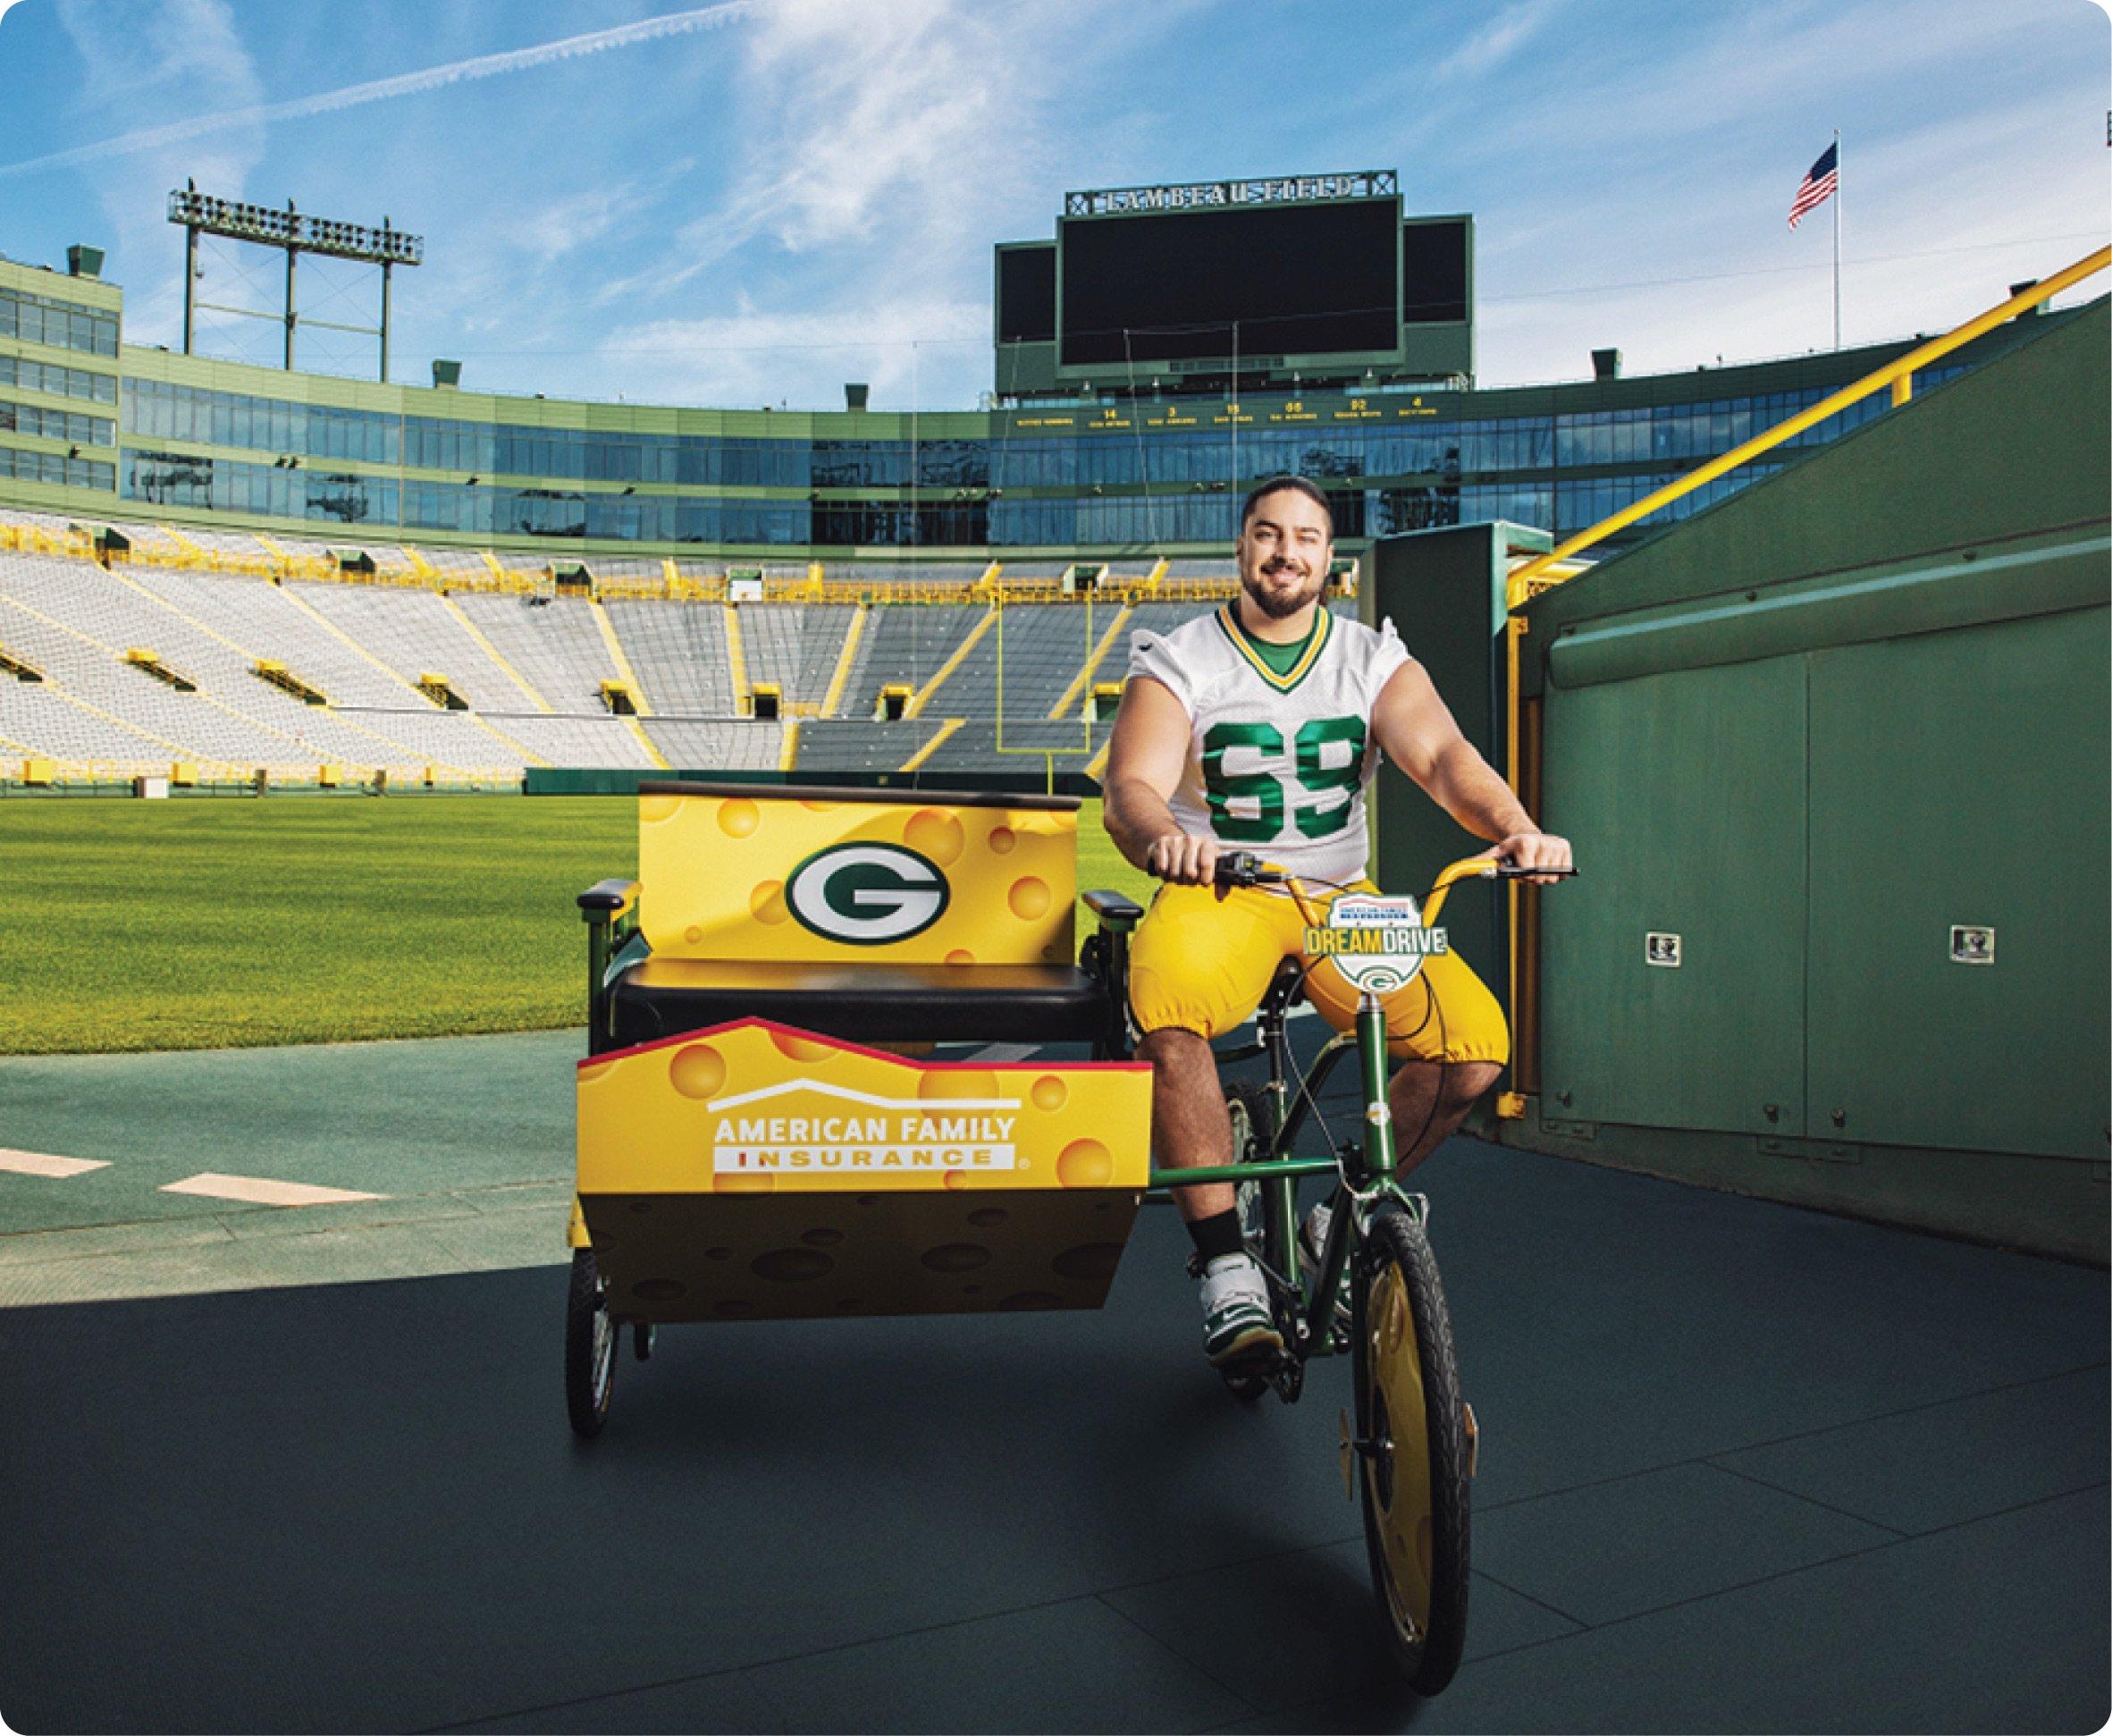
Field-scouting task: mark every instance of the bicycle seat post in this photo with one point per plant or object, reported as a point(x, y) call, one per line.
point(1371, 1053)
point(1271, 1022)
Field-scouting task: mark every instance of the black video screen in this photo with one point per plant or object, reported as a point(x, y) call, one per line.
point(1434, 262)
point(1026, 294)
point(1299, 280)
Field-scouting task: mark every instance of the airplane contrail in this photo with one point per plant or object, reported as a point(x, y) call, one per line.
point(408, 84)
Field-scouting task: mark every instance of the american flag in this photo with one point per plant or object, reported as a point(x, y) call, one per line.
point(1820, 181)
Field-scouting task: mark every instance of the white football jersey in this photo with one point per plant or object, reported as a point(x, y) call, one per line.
point(1277, 765)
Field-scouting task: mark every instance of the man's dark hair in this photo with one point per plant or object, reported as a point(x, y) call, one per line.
point(1291, 485)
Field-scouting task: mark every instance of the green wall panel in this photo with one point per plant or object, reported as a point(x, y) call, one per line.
point(1962, 778)
point(1932, 591)
point(2041, 575)
point(1443, 592)
point(1684, 796)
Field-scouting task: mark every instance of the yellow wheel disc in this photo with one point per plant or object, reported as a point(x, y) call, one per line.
point(1398, 1471)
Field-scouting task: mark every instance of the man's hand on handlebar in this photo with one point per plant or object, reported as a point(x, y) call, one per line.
point(1184, 858)
point(1536, 850)
point(1244, 868)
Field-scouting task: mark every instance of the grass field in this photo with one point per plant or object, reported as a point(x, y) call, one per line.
point(228, 923)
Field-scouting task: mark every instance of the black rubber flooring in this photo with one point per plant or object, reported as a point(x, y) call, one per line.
point(1743, 1468)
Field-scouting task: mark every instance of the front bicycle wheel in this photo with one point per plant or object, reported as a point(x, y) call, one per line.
point(1412, 1447)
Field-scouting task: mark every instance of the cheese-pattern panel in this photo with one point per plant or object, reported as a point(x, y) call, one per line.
point(773, 875)
point(751, 1171)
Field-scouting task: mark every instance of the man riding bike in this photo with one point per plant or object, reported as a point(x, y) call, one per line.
point(1257, 727)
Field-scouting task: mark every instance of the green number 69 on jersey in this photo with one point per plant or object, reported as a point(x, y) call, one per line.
point(1253, 782)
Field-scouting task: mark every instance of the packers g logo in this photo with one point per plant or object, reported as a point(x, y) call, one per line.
point(866, 895)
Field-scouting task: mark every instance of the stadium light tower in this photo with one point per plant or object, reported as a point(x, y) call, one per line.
point(202, 214)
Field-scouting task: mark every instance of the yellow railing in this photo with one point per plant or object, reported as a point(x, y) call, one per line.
point(1897, 376)
point(632, 587)
point(1191, 589)
point(219, 774)
point(40, 539)
point(407, 569)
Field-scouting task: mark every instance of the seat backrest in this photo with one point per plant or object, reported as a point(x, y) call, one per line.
point(862, 876)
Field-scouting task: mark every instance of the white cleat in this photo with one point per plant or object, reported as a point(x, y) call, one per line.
point(1237, 1326)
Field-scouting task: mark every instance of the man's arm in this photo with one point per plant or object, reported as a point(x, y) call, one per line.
point(1417, 729)
point(1146, 756)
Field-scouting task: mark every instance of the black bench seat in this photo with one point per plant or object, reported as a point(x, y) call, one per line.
point(861, 1002)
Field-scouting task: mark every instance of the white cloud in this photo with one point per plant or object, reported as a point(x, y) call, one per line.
point(911, 352)
point(408, 84)
point(909, 125)
point(561, 226)
point(884, 149)
point(1497, 40)
point(845, 235)
point(874, 103)
point(1740, 67)
point(177, 54)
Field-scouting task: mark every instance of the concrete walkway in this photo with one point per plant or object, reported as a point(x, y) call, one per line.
point(467, 1142)
point(1744, 1467)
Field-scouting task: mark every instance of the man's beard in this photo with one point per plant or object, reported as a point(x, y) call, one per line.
point(1278, 607)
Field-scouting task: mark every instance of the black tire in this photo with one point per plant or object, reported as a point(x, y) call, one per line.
point(590, 1348)
point(1414, 1478)
point(1248, 1107)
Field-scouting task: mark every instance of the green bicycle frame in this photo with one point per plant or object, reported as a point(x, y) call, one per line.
point(1375, 1162)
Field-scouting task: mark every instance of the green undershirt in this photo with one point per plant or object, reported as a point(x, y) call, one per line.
point(1280, 658)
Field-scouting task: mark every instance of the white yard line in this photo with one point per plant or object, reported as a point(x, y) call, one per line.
point(41, 1163)
point(255, 1191)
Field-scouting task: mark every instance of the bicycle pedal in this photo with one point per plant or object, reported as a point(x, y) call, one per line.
point(1260, 1361)
point(1349, 1456)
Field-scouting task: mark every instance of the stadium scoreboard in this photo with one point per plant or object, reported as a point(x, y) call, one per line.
point(1205, 287)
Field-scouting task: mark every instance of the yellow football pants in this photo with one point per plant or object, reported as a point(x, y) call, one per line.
point(1203, 957)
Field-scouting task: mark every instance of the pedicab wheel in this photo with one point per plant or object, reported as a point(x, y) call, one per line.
point(1411, 1451)
point(590, 1348)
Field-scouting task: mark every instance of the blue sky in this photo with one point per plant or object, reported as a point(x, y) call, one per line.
point(752, 203)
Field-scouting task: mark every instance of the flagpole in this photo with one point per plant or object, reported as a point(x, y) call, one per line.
point(1837, 199)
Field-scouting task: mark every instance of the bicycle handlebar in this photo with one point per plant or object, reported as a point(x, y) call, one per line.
point(1244, 868)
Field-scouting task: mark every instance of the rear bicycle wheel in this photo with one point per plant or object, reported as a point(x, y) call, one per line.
point(1248, 1106)
point(1249, 1110)
point(1412, 1448)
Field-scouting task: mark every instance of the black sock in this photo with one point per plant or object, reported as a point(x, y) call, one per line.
point(1218, 1236)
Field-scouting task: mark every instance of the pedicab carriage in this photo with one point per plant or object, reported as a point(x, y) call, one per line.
point(763, 1134)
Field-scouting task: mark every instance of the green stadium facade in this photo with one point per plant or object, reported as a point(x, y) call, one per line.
point(94, 428)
